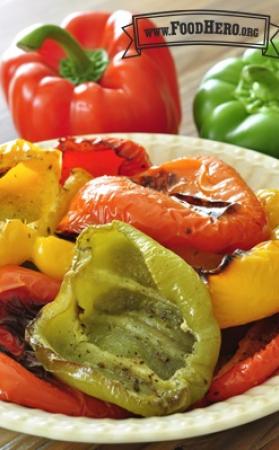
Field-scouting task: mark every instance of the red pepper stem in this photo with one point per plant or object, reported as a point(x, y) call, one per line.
point(36, 38)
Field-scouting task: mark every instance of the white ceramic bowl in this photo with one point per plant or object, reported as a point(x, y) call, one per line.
point(259, 171)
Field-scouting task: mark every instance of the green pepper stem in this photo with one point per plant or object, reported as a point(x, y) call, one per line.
point(36, 38)
point(80, 66)
point(262, 75)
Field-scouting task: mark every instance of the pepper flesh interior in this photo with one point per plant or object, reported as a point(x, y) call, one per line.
point(29, 186)
point(132, 324)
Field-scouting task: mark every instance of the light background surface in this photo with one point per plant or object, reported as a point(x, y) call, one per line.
point(191, 62)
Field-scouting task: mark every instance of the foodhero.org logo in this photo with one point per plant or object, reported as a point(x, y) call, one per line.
point(177, 28)
point(201, 27)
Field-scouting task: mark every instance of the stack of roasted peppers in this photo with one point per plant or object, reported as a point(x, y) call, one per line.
point(116, 277)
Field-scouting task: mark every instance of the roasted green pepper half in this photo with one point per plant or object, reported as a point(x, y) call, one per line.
point(132, 324)
point(238, 102)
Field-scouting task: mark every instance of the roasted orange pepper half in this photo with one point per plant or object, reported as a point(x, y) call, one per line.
point(195, 202)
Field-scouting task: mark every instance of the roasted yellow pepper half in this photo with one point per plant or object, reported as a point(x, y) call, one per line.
point(16, 242)
point(32, 203)
point(29, 196)
point(270, 201)
point(52, 256)
point(73, 183)
point(29, 185)
point(247, 287)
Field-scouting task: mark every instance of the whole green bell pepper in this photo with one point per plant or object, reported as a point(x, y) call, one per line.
point(132, 324)
point(238, 102)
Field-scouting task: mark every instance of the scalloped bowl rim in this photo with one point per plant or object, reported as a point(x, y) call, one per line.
point(254, 404)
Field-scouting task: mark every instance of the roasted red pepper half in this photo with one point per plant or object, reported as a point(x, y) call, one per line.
point(22, 293)
point(74, 81)
point(22, 379)
point(256, 359)
point(102, 156)
point(20, 386)
point(196, 202)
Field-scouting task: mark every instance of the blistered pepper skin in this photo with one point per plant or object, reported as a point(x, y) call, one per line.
point(37, 186)
point(22, 381)
point(52, 256)
point(256, 360)
point(247, 288)
point(269, 198)
point(29, 193)
point(161, 211)
point(132, 324)
point(102, 156)
point(29, 186)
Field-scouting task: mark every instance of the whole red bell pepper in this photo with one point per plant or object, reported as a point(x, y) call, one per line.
point(73, 80)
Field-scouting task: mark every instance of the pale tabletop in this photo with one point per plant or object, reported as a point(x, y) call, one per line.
point(191, 63)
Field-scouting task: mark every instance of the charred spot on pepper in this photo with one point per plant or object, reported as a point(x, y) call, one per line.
point(103, 156)
point(30, 265)
point(136, 385)
point(71, 237)
point(3, 172)
point(161, 181)
point(15, 315)
point(240, 371)
point(29, 361)
point(80, 311)
point(205, 206)
point(224, 264)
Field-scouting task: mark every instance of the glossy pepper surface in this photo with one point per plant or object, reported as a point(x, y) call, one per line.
point(238, 102)
point(37, 186)
point(102, 156)
point(29, 195)
point(22, 380)
point(246, 288)
point(132, 324)
point(77, 82)
point(256, 359)
point(195, 202)
point(52, 256)
point(21, 386)
point(269, 198)
point(29, 186)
